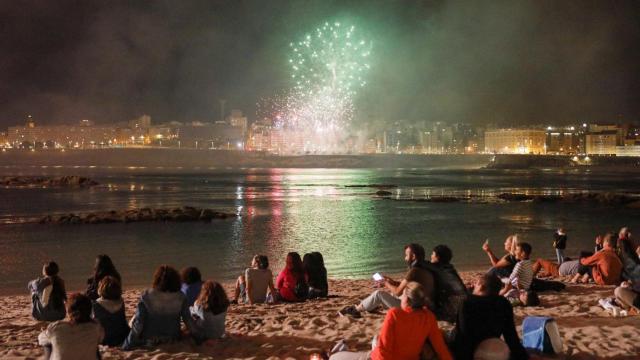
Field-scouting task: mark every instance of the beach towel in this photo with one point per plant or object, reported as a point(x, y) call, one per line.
point(541, 333)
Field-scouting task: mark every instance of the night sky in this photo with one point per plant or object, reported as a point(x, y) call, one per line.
point(508, 62)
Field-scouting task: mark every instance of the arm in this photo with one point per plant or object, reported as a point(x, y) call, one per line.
point(185, 314)
point(492, 257)
point(44, 338)
point(248, 284)
point(137, 326)
point(396, 289)
point(385, 340)
point(506, 289)
point(272, 289)
point(437, 341)
point(511, 335)
point(280, 280)
point(591, 260)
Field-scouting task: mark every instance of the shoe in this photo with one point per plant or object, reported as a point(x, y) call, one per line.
point(351, 311)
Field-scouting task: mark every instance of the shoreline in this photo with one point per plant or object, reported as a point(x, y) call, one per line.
point(285, 331)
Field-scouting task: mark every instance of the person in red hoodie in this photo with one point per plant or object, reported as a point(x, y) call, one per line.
point(604, 267)
point(405, 331)
point(291, 283)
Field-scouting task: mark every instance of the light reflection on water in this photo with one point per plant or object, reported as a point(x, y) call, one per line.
point(286, 210)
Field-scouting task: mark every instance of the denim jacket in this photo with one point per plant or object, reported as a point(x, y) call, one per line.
point(157, 319)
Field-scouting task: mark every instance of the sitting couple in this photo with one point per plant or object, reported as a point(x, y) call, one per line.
point(443, 288)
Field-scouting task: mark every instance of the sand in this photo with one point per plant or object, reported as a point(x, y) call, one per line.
point(293, 331)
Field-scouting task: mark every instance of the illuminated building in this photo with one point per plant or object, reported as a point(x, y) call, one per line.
point(602, 143)
point(562, 140)
point(515, 141)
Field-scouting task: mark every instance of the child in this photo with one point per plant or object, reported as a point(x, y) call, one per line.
point(191, 283)
point(48, 294)
point(108, 310)
point(522, 274)
point(210, 311)
point(560, 243)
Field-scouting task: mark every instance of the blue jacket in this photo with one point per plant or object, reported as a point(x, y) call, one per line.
point(157, 319)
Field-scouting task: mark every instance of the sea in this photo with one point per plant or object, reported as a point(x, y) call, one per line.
point(333, 211)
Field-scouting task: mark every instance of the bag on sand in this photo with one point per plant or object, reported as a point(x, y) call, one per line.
point(541, 333)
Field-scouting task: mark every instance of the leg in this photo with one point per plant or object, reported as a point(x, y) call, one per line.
point(560, 255)
point(378, 298)
point(625, 297)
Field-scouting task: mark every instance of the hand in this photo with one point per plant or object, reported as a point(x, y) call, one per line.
point(486, 247)
point(638, 251)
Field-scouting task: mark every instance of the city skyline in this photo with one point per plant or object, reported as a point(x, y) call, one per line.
point(501, 62)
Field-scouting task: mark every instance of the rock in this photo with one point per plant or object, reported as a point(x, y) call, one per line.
point(444, 199)
point(384, 193)
point(634, 204)
point(515, 197)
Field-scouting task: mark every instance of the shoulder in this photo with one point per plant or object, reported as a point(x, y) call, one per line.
point(56, 326)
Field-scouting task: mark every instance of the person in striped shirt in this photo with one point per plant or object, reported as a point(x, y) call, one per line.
point(522, 274)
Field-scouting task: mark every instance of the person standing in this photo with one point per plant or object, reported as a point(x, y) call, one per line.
point(560, 243)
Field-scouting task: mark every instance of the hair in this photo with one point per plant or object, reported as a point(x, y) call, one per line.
point(213, 298)
point(79, 308)
point(109, 288)
point(491, 283)
point(526, 247)
point(190, 275)
point(532, 298)
point(294, 264)
point(492, 349)
point(58, 292)
point(417, 250)
point(444, 254)
point(416, 295)
point(166, 279)
point(313, 265)
point(263, 261)
point(104, 267)
point(514, 242)
point(609, 239)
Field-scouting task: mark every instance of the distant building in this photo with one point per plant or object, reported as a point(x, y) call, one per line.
point(515, 141)
point(562, 140)
point(602, 143)
point(238, 120)
point(143, 122)
point(56, 136)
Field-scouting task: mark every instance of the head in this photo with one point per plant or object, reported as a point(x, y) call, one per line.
point(441, 254)
point(414, 296)
point(109, 288)
point(79, 308)
point(166, 279)
point(561, 231)
point(213, 298)
point(103, 267)
point(624, 233)
point(510, 243)
point(609, 242)
point(294, 263)
point(262, 262)
point(523, 251)
point(487, 285)
point(492, 349)
point(190, 275)
point(529, 298)
point(413, 253)
point(599, 239)
point(50, 269)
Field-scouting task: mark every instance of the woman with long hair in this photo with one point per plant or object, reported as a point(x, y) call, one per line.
point(77, 338)
point(210, 311)
point(48, 294)
point(502, 267)
point(315, 274)
point(159, 311)
point(291, 283)
point(103, 267)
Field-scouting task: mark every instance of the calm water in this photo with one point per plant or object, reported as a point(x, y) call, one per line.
point(284, 210)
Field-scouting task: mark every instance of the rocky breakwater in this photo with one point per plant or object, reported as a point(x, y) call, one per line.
point(182, 214)
point(605, 198)
point(46, 181)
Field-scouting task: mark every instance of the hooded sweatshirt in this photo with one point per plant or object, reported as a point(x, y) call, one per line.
point(110, 314)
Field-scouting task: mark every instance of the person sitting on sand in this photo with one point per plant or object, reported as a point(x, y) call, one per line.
point(486, 315)
point(191, 283)
point(552, 269)
point(48, 294)
point(405, 331)
point(103, 267)
point(210, 311)
point(77, 338)
point(604, 267)
point(504, 266)
point(291, 283)
point(522, 274)
point(108, 310)
point(316, 275)
point(158, 314)
point(414, 256)
point(252, 286)
point(450, 289)
point(628, 296)
point(630, 256)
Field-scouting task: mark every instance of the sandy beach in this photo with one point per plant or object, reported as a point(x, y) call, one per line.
point(293, 331)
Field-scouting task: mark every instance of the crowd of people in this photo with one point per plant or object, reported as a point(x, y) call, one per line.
point(430, 291)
